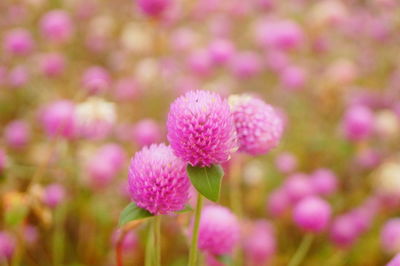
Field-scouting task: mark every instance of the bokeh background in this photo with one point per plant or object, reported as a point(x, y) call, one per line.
point(85, 84)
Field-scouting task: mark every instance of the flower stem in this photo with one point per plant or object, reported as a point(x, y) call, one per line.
point(149, 246)
point(302, 250)
point(157, 239)
point(235, 198)
point(195, 234)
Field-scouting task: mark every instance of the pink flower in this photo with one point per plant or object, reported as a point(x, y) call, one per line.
point(278, 202)
point(390, 236)
point(358, 122)
point(54, 194)
point(17, 134)
point(324, 182)
point(146, 132)
point(56, 26)
point(259, 127)
point(260, 244)
point(153, 8)
point(18, 41)
point(312, 214)
point(58, 118)
point(343, 232)
point(158, 181)
point(96, 79)
point(7, 245)
point(52, 64)
point(18, 76)
point(219, 230)
point(298, 186)
point(246, 65)
point(286, 162)
point(201, 129)
point(221, 51)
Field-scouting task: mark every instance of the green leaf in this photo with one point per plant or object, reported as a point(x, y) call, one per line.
point(131, 213)
point(207, 180)
point(16, 215)
point(187, 208)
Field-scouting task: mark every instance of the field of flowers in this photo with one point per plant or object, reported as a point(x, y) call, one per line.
point(208, 132)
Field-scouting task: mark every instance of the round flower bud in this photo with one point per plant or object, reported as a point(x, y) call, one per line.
point(324, 182)
point(260, 245)
point(245, 65)
point(286, 162)
point(343, 232)
point(293, 77)
point(54, 194)
point(18, 76)
point(298, 186)
point(17, 134)
point(358, 122)
point(7, 245)
point(279, 34)
point(96, 79)
point(58, 118)
point(146, 132)
point(259, 127)
point(201, 129)
point(221, 51)
point(153, 8)
point(52, 64)
point(312, 214)
point(18, 42)
point(219, 230)
point(158, 180)
point(278, 202)
point(390, 236)
point(56, 26)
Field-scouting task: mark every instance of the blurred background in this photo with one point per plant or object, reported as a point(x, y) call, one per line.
point(85, 84)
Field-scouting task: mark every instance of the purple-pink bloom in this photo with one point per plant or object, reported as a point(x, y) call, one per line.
point(390, 236)
point(56, 26)
point(153, 8)
point(17, 134)
point(54, 194)
point(58, 119)
point(246, 65)
point(219, 230)
point(278, 202)
point(52, 64)
point(146, 132)
point(324, 182)
point(286, 162)
point(96, 79)
point(18, 41)
point(259, 127)
point(358, 122)
point(201, 128)
point(7, 245)
point(343, 232)
point(298, 186)
point(158, 181)
point(221, 51)
point(312, 214)
point(260, 244)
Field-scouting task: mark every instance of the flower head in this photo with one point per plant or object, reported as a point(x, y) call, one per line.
point(18, 41)
point(7, 245)
point(258, 125)
point(157, 180)
point(58, 118)
point(219, 230)
point(312, 214)
point(390, 236)
point(201, 129)
point(56, 26)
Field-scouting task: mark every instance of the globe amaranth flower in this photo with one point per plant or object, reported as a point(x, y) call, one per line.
point(390, 236)
point(219, 230)
point(260, 244)
point(201, 129)
point(58, 118)
point(17, 134)
point(7, 245)
point(57, 26)
point(158, 181)
point(312, 214)
point(259, 127)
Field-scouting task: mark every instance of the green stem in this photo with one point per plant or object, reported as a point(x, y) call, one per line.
point(235, 198)
point(58, 235)
point(149, 247)
point(195, 234)
point(157, 238)
point(302, 250)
